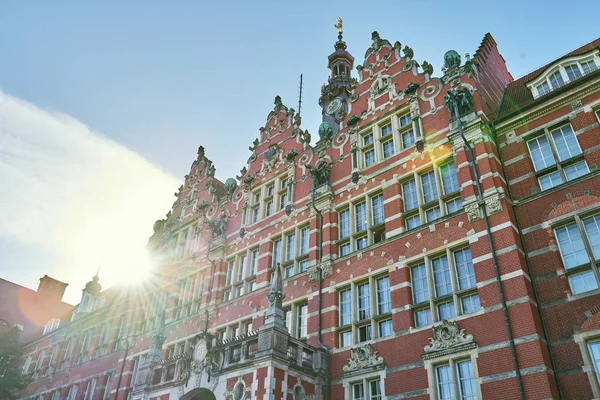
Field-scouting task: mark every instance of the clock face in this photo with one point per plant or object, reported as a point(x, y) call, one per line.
point(334, 106)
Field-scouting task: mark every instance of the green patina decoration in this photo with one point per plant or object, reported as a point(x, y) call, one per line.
point(230, 185)
point(451, 59)
point(325, 131)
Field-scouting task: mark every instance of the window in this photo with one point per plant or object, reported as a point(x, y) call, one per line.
point(367, 390)
point(270, 198)
point(296, 320)
point(367, 227)
point(51, 325)
point(448, 389)
point(360, 316)
point(568, 72)
point(431, 195)
point(594, 349)
point(241, 270)
point(556, 156)
point(579, 246)
point(295, 252)
point(452, 290)
point(379, 142)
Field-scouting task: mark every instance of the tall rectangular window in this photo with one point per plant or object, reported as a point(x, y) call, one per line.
point(345, 307)
point(276, 252)
point(449, 177)
point(464, 269)
point(377, 204)
point(444, 383)
point(364, 301)
point(429, 187)
point(594, 348)
point(409, 194)
point(304, 240)
point(419, 283)
point(344, 223)
point(361, 216)
point(253, 263)
point(441, 276)
point(384, 304)
point(290, 251)
point(301, 324)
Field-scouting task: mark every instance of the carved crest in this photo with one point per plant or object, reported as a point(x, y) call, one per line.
point(448, 338)
point(363, 357)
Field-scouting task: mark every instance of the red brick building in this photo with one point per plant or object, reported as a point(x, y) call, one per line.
point(439, 240)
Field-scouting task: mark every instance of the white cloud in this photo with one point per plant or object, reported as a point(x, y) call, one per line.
point(72, 191)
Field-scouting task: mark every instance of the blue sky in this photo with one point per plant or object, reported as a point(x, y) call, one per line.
point(158, 79)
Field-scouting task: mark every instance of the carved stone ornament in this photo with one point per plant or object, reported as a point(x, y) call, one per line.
point(493, 204)
point(472, 211)
point(363, 357)
point(448, 338)
point(411, 88)
point(451, 59)
point(326, 270)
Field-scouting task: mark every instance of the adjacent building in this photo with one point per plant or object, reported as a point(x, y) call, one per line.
point(439, 240)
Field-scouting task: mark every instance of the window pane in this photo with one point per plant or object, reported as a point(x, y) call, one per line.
point(423, 317)
point(367, 139)
point(344, 223)
point(464, 269)
point(254, 263)
point(289, 271)
point(304, 240)
point(364, 301)
point(449, 177)
point(541, 153)
point(405, 120)
point(550, 180)
point(419, 283)
point(290, 248)
point(386, 130)
point(364, 333)
point(441, 276)
point(369, 157)
point(378, 215)
point(588, 66)
point(345, 249)
point(595, 355)
point(543, 88)
point(566, 142)
point(446, 310)
point(241, 266)
point(429, 187)
point(466, 378)
point(556, 80)
point(346, 339)
point(229, 273)
point(301, 321)
point(592, 228)
point(412, 222)
point(384, 304)
point(408, 139)
point(362, 243)
point(385, 328)
point(409, 195)
point(573, 71)
point(576, 170)
point(454, 205)
point(361, 216)
point(445, 384)
point(303, 265)
point(276, 252)
point(571, 246)
point(375, 389)
point(388, 149)
point(432, 214)
point(470, 304)
point(583, 282)
point(345, 307)
point(358, 392)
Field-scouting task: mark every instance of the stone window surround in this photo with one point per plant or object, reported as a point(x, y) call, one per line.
point(297, 258)
point(456, 295)
point(243, 284)
point(440, 202)
point(377, 144)
point(260, 197)
point(582, 339)
point(593, 264)
point(189, 296)
point(431, 365)
point(348, 382)
point(370, 231)
point(375, 317)
point(559, 165)
point(292, 310)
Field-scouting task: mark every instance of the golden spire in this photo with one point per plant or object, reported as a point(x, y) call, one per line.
point(338, 26)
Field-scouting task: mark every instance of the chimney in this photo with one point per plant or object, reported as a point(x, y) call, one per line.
point(51, 289)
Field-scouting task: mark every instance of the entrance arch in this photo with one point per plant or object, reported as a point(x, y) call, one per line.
point(199, 394)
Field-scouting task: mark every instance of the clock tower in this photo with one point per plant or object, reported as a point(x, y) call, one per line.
point(334, 94)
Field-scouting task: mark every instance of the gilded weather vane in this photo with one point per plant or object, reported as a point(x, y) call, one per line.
point(338, 26)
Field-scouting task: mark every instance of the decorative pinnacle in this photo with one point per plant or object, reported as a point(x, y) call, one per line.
point(339, 27)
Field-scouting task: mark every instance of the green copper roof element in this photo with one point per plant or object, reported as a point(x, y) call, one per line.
point(325, 131)
point(451, 59)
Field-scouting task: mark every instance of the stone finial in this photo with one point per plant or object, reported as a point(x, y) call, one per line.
point(451, 59)
point(274, 315)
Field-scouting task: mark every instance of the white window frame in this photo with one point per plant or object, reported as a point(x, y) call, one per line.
point(558, 165)
point(277, 192)
point(452, 359)
point(374, 319)
point(456, 294)
point(349, 382)
point(560, 68)
point(291, 264)
point(239, 279)
point(583, 339)
point(439, 203)
point(291, 317)
point(373, 233)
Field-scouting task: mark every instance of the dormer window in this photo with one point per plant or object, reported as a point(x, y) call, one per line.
point(51, 325)
point(566, 72)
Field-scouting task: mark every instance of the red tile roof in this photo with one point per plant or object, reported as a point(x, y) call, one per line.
point(517, 95)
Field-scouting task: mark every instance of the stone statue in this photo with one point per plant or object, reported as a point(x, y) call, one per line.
point(451, 59)
point(325, 131)
point(462, 99)
point(427, 68)
point(320, 175)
